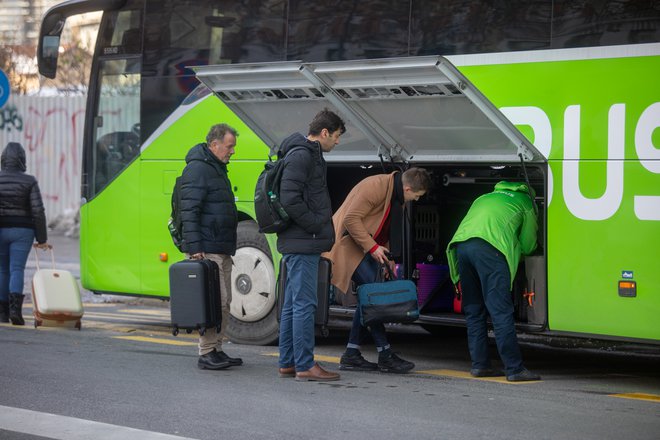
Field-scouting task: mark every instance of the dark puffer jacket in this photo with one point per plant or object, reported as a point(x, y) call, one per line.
point(21, 205)
point(305, 197)
point(208, 207)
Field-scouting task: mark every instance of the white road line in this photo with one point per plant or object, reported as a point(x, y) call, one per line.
point(69, 428)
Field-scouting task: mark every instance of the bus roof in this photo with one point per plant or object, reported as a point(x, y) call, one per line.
point(418, 109)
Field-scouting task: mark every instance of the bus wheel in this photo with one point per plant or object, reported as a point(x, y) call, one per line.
point(253, 318)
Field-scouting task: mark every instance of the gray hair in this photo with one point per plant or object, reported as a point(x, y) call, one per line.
point(218, 131)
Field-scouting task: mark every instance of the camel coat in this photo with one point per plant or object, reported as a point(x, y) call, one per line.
point(356, 222)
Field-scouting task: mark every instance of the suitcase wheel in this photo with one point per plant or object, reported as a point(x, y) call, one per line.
point(189, 330)
point(36, 323)
point(78, 325)
point(175, 331)
point(202, 331)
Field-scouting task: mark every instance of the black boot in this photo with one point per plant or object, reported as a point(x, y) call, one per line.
point(389, 362)
point(15, 307)
point(4, 311)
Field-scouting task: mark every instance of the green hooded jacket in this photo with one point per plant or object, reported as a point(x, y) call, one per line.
point(505, 218)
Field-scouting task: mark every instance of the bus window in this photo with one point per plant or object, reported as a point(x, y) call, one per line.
point(117, 118)
point(460, 27)
point(344, 30)
point(181, 33)
point(122, 33)
point(599, 23)
point(184, 33)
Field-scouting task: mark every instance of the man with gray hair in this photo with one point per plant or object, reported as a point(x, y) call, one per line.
point(210, 220)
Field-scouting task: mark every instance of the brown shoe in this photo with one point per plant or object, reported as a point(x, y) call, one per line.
point(288, 372)
point(316, 373)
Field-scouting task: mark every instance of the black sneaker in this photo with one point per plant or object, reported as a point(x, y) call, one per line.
point(211, 361)
point(523, 376)
point(233, 361)
point(392, 363)
point(486, 372)
point(356, 363)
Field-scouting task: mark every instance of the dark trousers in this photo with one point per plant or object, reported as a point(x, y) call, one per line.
point(366, 272)
point(486, 287)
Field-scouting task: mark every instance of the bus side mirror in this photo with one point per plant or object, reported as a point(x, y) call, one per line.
point(49, 45)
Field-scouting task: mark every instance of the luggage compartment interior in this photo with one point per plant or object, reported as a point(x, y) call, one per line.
point(433, 221)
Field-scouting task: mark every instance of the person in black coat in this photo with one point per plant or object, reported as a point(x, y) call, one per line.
point(210, 221)
point(304, 196)
point(22, 220)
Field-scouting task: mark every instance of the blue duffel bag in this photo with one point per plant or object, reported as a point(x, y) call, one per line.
point(388, 301)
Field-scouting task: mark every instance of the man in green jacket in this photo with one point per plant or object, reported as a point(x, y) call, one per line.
point(484, 255)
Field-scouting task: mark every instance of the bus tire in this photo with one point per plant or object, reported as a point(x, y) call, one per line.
point(253, 317)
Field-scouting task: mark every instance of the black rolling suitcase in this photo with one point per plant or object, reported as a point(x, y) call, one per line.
point(194, 296)
point(322, 291)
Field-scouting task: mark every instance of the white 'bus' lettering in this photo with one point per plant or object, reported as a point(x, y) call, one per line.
point(648, 207)
point(605, 206)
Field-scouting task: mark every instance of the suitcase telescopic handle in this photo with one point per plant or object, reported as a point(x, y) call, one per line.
point(52, 256)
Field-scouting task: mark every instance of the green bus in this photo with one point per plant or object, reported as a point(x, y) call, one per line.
point(564, 92)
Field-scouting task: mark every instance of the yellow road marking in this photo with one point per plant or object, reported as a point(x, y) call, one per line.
point(466, 375)
point(155, 340)
point(317, 357)
point(331, 359)
point(638, 396)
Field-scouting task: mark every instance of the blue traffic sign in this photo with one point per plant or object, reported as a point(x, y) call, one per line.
point(4, 88)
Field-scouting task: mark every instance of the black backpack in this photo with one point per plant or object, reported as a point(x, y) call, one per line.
point(271, 216)
point(175, 225)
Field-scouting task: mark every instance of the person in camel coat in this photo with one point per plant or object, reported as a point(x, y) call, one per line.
point(368, 230)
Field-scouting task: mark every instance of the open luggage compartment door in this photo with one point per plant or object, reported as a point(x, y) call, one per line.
point(416, 108)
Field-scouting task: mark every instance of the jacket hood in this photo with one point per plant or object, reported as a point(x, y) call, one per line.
point(13, 157)
point(202, 153)
point(514, 187)
point(296, 140)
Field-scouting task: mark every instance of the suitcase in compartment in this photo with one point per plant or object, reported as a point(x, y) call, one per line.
point(55, 297)
point(194, 296)
point(322, 291)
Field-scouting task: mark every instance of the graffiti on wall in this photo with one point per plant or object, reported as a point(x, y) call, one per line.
point(10, 119)
point(51, 131)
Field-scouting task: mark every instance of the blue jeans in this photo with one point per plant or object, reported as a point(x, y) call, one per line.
point(486, 287)
point(15, 245)
point(297, 320)
point(366, 272)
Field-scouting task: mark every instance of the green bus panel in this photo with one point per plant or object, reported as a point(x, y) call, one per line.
point(595, 233)
point(111, 248)
point(586, 261)
point(192, 127)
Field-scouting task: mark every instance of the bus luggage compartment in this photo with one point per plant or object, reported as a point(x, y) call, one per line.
point(431, 223)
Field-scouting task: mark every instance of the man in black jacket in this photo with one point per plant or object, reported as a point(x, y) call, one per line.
point(304, 195)
point(210, 220)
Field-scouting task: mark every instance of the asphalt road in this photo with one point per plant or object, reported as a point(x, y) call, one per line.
point(124, 376)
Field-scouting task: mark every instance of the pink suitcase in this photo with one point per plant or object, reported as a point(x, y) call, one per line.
point(55, 296)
